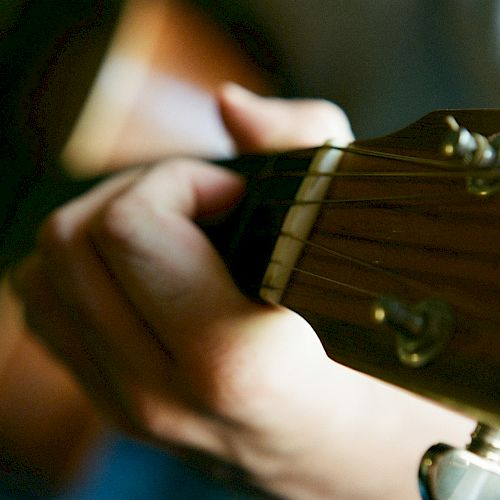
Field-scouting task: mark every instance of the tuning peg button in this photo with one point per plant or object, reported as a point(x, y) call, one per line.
point(448, 473)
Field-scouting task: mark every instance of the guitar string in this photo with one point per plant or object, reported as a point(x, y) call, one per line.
point(453, 170)
point(451, 173)
point(448, 165)
point(314, 293)
point(455, 302)
point(461, 302)
point(341, 201)
point(444, 164)
point(363, 263)
point(358, 289)
point(321, 277)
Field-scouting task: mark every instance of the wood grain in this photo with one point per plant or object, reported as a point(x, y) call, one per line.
point(445, 244)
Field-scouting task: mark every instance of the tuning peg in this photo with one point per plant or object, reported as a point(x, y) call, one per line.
point(448, 473)
point(478, 152)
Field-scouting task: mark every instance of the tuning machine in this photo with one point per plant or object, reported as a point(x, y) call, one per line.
point(448, 473)
point(481, 154)
point(422, 330)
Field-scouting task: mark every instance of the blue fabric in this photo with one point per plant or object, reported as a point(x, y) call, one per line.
point(126, 469)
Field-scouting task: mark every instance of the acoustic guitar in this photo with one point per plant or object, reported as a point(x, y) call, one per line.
point(389, 247)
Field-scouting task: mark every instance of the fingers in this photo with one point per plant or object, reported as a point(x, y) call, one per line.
point(78, 299)
point(260, 124)
point(222, 343)
point(159, 255)
point(74, 305)
point(83, 283)
point(131, 269)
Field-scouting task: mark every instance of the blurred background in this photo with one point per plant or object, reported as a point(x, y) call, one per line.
point(92, 86)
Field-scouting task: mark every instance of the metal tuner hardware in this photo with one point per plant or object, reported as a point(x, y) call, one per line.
point(473, 473)
point(481, 154)
point(422, 330)
point(448, 473)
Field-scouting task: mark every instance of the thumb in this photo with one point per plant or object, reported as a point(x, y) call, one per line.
point(260, 124)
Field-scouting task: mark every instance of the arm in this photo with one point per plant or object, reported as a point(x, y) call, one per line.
point(126, 289)
point(46, 420)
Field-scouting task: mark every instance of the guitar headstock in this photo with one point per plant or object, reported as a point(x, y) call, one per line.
point(425, 136)
point(403, 264)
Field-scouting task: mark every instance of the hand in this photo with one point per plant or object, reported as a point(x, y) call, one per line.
point(127, 290)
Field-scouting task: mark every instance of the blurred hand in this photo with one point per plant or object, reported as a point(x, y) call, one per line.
point(126, 289)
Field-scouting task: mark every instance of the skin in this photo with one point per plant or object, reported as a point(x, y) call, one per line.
point(127, 291)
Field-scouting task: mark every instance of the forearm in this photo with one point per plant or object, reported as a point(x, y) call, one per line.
point(367, 443)
point(45, 420)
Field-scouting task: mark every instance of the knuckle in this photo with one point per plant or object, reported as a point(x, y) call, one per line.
point(256, 139)
point(56, 231)
point(116, 222)
point(155, 422)
point(142, 414)
point(153, 418)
